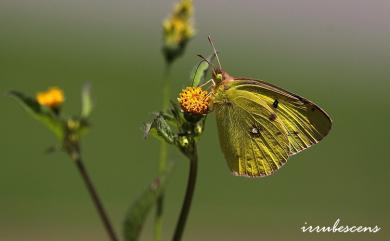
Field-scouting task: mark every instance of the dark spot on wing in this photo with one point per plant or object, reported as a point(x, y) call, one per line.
point(278, 133)
point(275, 104)
point(255, 131)
point(272, 117)
point(296, 133)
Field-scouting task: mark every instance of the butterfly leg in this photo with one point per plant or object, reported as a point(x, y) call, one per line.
point(207, 82)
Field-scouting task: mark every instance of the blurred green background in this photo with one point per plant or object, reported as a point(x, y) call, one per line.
point(335, 53)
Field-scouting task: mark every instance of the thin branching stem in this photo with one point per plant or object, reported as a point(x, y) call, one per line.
point(181, 223)
point(160, 200)
point(158, 223)
point(75, 155)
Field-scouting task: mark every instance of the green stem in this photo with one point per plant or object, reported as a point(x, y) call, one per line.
point(181, 223)
point(76, 157)
point(166, 86)
point(163, 156)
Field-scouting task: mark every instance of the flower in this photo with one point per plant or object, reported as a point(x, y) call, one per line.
point(184, 9)
point(178, 29)
point(194, 100)
point(53, 97)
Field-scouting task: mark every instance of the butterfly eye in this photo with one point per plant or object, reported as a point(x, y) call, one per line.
point(219, 77)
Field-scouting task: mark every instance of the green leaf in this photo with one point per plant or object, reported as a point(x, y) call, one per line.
point(41, 113)
point(160, 128)
point(199, 72)
point(138, 212)
point(86, 101)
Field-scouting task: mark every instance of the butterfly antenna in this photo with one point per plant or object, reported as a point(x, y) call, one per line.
point(215, 51)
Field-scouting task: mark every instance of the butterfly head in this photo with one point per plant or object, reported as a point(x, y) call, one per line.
point(220, 76)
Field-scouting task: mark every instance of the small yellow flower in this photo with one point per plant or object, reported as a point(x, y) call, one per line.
point(194, 100)
point(183, 9)
point(178, 29)
point(52, 98)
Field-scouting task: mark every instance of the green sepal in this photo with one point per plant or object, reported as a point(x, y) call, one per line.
point(43, 114)
point(199, 71)
point(172, 51)
point(139, 210)
point(159, 128)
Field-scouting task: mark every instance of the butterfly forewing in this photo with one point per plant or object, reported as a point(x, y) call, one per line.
point(253, 139)
point(305, 122)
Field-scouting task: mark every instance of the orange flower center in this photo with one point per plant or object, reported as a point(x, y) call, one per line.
point(194, 100)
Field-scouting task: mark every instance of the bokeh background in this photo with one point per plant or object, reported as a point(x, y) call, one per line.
point(334, 52)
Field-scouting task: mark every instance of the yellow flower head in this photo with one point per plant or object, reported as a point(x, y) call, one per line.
point(194, 100)
point(52, 98)
point(178, 28)
point(184, 8)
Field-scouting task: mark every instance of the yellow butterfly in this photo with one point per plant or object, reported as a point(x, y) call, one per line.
point(260, 125)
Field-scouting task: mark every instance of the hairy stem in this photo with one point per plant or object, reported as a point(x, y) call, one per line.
point(163, 156)
point(94, 195)
point(188, 196)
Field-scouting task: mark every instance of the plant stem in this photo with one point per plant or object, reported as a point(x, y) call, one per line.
point(160, 200)
point(166, 86)
point(163, 156)
point(188, 196)
point(95, 197)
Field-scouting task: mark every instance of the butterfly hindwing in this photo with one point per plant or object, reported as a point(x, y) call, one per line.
point(306, 123)
point(253, 139)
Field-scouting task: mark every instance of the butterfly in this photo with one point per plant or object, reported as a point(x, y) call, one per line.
point(261, 125)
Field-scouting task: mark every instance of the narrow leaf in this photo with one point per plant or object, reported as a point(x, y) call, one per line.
point(86, 101)
point(41, 113)
point(139, 210)
point(200, 70)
